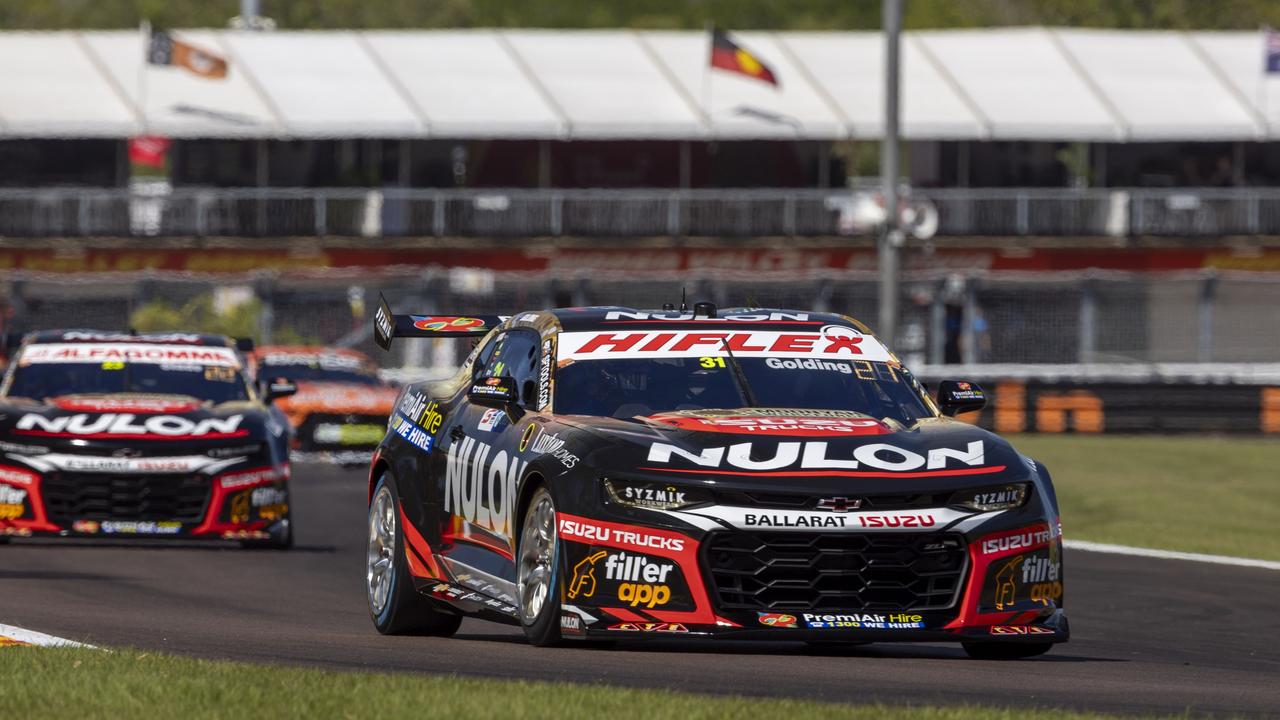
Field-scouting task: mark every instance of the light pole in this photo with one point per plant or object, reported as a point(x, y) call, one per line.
point(891, 234)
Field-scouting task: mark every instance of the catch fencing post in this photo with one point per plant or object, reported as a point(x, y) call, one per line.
point(1088, 320)
point(1208, 293)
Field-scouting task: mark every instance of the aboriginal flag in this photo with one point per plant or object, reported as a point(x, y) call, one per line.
point(164, 49)
point(728, 55)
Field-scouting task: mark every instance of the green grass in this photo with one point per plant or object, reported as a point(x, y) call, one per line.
point(1207, 495)
point(39, 683)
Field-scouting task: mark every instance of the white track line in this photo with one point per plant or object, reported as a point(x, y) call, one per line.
point(1169, 554)
point(31, 637)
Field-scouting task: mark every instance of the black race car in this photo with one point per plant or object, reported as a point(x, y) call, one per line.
point(153, 435)
point(765, 474)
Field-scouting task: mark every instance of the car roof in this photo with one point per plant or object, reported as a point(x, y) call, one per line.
point(100, 336)
point(613, 317)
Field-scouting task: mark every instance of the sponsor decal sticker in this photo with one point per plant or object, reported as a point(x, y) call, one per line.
point(256, 476)
point(776, 425)
point(545, 443)
point(348, 434)
point(544, 374)
point(1023, 539)
point(17, 477)
point(140, 527)
point(86, 526)
point(128, 425)
point(634, 580)
point(443, 323)
point(637, 538)
point(421, 411)
point(413, 434)
point(1029, 581)
point(832, 343)
point(782, 620)
point(491, 420)
point(650, 627)
point(12, 502)
point(622, 316)
point(814, 458)
point(97, 353)
point(1020, 630)
point(480, 485)
point(865, 621)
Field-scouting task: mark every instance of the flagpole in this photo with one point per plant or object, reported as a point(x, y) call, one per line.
point(706, 71)
point(1262, 81)
point(145, 28)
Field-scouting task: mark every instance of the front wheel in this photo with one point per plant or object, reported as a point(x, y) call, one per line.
point(394, 605)
point(537, 576)
point(1005, 651)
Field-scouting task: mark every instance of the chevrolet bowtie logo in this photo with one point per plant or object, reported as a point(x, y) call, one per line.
point(839, 504)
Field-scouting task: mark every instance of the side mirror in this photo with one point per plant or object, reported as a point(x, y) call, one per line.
point(960, 396)
point(496, 391)
point(279, 387)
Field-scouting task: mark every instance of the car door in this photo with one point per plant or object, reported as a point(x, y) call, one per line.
point(483, 465)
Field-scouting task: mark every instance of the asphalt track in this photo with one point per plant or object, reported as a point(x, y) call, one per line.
point(1150, 635)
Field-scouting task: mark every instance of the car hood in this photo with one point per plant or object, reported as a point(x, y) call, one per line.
point(804, 450)
point(80, 423)
point(326, 397)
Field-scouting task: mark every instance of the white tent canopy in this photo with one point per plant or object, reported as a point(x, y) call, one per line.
point(997, 84)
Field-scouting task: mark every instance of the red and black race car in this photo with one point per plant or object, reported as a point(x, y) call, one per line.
point(106, 435)
point(755, 473)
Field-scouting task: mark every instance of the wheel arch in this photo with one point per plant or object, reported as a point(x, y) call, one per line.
point(532, 481)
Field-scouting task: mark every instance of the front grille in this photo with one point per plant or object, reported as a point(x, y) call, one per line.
point(798, 571)
point(102, 496)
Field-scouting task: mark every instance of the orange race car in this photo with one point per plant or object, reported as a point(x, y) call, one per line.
point(341, 407)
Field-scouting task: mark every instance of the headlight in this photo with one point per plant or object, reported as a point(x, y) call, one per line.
point(999, 497)
point(16, 449)
point(653, 495)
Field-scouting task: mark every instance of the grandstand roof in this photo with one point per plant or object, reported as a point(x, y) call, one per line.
point(999, 84)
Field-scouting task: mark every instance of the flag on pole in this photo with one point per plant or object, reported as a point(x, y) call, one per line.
point(149, 150)
point(164, 49)
point(729, 55)
point(1272, 51)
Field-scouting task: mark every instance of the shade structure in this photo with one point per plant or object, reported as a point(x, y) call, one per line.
point(989, 84)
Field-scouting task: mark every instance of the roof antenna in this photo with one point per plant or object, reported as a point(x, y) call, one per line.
point(684, 306)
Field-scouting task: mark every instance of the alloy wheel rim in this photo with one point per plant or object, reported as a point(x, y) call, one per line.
point(537, 555)
point(380, 565)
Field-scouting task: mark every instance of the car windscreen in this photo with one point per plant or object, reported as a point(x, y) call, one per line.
point(211, 374)
point(318, 368)
point(629, 387)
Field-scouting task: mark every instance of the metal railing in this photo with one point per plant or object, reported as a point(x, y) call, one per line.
point(293, 212)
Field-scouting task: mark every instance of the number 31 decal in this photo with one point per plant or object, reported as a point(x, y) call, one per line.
point(711, 362)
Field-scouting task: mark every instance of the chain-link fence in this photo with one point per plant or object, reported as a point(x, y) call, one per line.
point(1097, 317)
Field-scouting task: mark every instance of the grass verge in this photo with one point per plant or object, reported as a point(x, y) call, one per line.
point(1206, 495)
point(90, 684)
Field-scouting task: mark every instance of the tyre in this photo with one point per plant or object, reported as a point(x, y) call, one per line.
point(395, 607)
point(537, 571)
point(1005, 651)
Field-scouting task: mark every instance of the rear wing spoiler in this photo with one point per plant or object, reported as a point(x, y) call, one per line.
point(388, 326)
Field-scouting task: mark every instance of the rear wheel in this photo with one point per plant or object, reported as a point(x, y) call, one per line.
point(394, 605)
point(1005, 651)
point(537, 575)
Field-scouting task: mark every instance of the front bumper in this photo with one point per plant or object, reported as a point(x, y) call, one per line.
point(945, 586)
point(245, 504)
